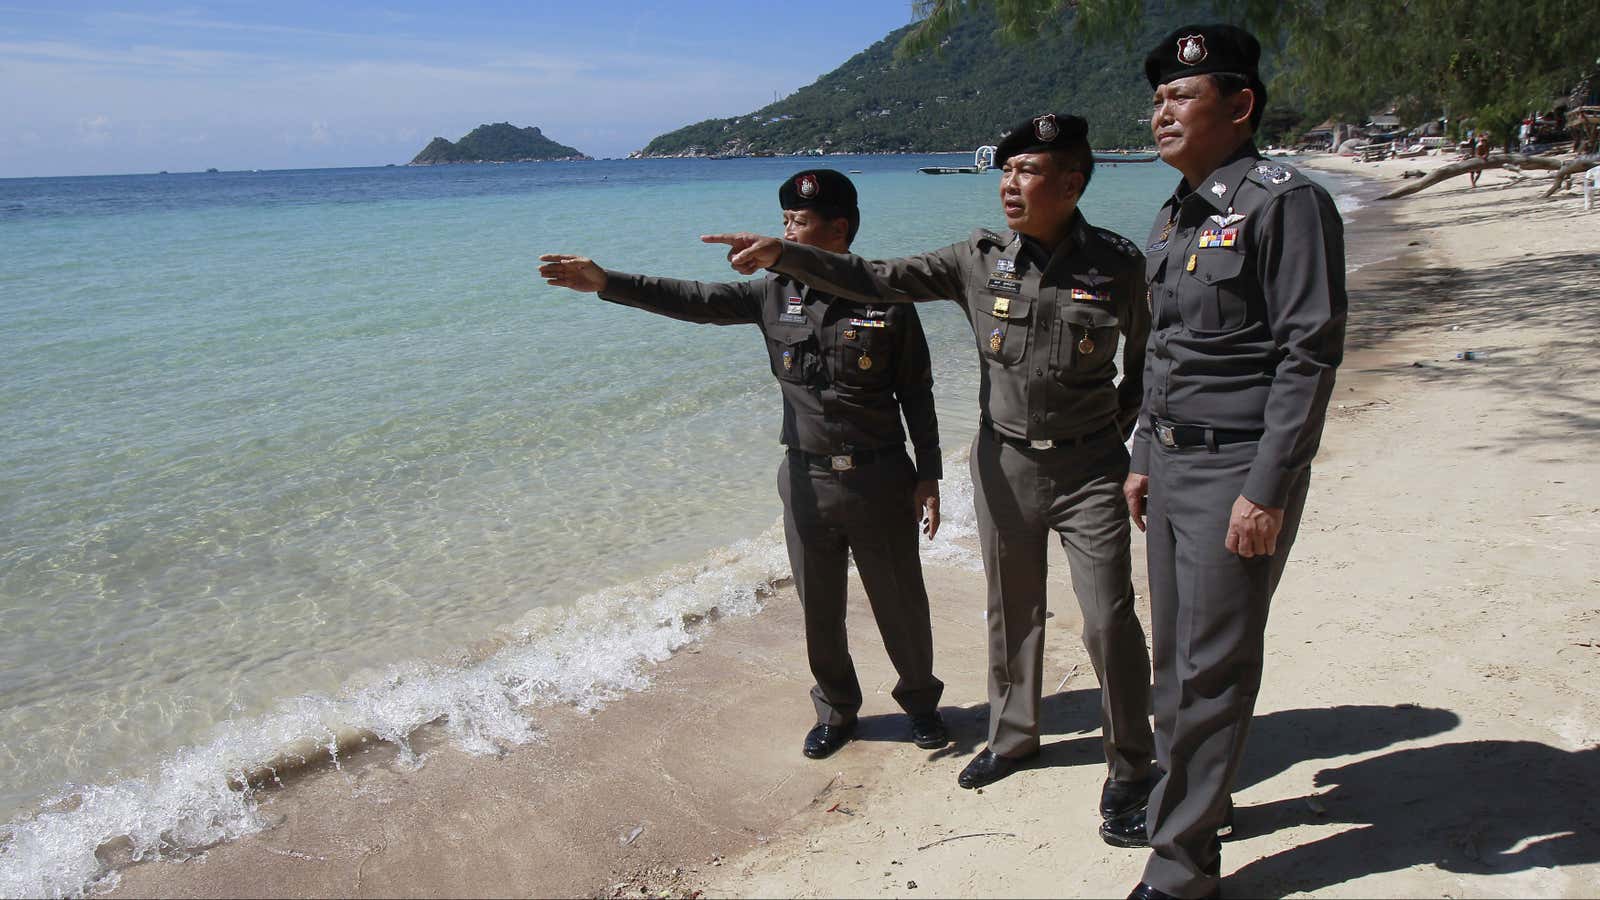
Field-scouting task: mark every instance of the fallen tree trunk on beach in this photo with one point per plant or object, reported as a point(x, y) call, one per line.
point(1568, 169)
point(1493, 161)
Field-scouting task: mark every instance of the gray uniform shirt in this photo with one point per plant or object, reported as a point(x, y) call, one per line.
point(846, 370)
point(1247, 293)
point(1046, 322)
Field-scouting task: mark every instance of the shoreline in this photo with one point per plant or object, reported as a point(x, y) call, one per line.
point(712, 747)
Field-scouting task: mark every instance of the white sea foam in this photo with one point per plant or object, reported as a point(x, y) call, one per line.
point(583, 655)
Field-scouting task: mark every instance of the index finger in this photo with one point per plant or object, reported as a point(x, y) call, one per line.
point(729, 238)
point(556, 257)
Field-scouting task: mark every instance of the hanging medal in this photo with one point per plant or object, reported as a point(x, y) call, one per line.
point(865, 362)
point(1085, 344)
point(994, 341)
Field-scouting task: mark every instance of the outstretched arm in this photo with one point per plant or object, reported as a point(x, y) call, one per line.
point(926, 276)
point(710, 303)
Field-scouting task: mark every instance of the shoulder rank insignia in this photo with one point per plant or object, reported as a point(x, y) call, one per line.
point(1274, 173)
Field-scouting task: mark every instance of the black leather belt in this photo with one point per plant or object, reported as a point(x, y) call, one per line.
point(1175, 436)
point(1052, 444)
point(841, 462)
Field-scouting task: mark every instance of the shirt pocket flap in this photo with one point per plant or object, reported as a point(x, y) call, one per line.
point(1085, 316)
point(1006, 309)
point(790, 337)
point(1212, 267)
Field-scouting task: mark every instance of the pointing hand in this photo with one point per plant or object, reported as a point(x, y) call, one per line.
point(748, 253)
point(576, 272)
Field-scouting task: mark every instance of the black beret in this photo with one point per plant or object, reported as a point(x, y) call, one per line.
point(1051, 131)
point(1202, 50)
point(827, 188)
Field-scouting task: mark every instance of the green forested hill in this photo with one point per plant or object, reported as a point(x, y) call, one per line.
point(960, 97)
point(501, 142)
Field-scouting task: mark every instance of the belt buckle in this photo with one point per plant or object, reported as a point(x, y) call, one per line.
point(843, 462)
point(1042, 445)
point(1166, 436)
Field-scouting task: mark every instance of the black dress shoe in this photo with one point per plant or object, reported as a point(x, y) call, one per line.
point(1118, 798)
point(988, 767)
point(1146, 892)
point(928, 731)
point(823, 740)
point(1126, 830)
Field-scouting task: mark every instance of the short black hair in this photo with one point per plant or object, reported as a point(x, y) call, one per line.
point(1077, 158)
point(852, 214)
point(1230, 83)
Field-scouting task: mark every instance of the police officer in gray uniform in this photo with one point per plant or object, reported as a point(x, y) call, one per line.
point(1246, 282)
point(847, 372)
point(1047, 300)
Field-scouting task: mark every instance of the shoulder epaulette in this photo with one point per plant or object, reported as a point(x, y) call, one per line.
point(1276, 177)
point(989, 236)
point(1117, 241)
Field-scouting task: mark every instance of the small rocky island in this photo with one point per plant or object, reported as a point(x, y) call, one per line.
point(501, 142)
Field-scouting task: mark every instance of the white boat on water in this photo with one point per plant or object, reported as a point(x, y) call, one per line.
point(982, 161)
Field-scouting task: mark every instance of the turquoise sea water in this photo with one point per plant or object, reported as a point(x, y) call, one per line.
point(286, 453)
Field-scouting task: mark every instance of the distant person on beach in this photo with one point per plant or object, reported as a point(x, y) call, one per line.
point(1480, 150)
point(847, 372)
point(1047, 300)
point(1247, 291)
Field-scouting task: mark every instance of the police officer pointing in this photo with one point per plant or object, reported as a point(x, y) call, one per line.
point(847, 372)
point(1047, 300)
point(1247, 289)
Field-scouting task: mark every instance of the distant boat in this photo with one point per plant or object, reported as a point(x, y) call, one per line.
point(982, 161)
point(855, 171)
point(211, 171)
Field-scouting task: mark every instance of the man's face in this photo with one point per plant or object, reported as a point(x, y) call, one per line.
point(1193, 123)
point(1038, 194)
point(807, 226)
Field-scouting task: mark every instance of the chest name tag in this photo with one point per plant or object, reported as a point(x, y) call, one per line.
point(1005, 285)
point(869, 323)
point(1091, 296)
point(1211, 237)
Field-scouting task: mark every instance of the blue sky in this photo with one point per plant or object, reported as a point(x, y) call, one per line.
point(92, 88)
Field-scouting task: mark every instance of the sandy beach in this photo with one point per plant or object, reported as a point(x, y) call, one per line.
point(1429, 723)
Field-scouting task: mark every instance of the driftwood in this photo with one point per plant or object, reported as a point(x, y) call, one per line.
point(1568, 169)
point(1494, 161)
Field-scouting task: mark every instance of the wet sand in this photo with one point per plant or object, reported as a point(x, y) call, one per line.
point(1429, 723)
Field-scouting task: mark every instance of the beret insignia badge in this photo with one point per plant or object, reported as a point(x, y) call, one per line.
point(1192, 49)
point(1045, 128)
point(807, 186)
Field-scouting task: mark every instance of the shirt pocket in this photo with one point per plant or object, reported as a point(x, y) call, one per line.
point(1087, 338)
point(795, 355)
point(1002, 328)
point(1212, 298)
point(866, 355)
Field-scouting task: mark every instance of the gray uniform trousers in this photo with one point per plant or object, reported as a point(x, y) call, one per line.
point(1208, 610)
point(868, 511)
point(1021, 495)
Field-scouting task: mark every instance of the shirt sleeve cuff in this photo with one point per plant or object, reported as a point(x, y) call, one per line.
point(1268, 486)
point(620, 286)
point(1139, 459)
